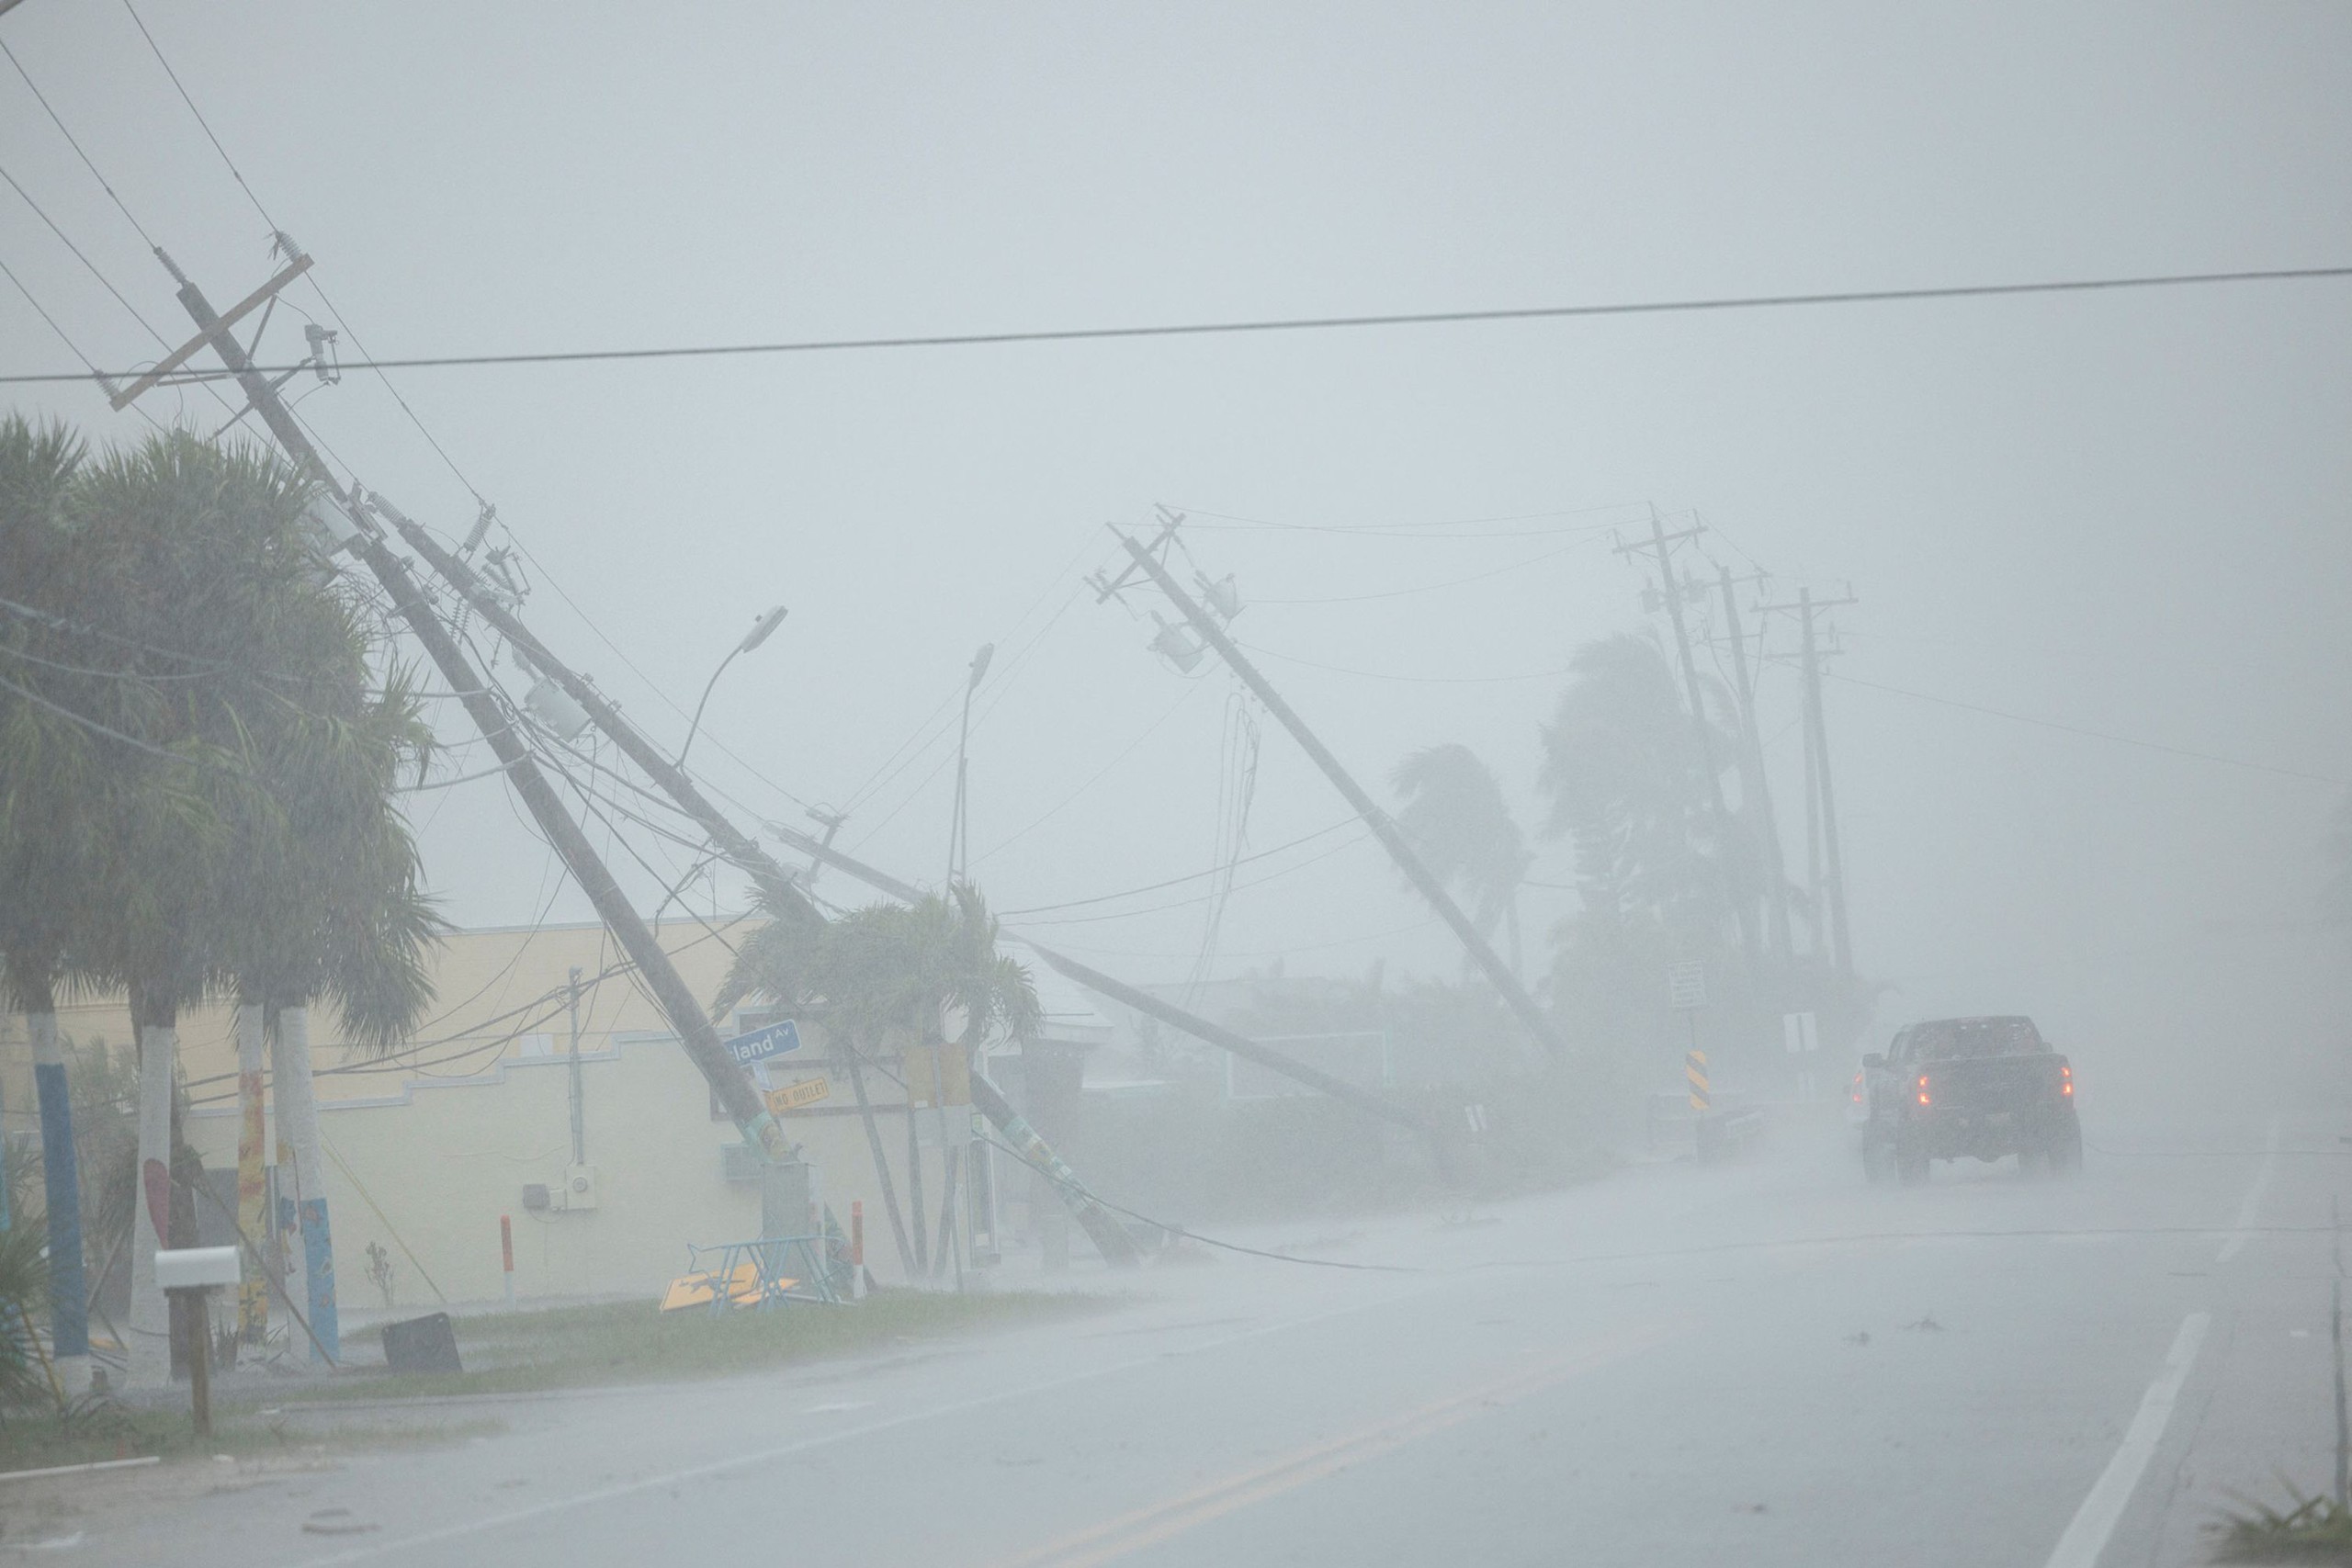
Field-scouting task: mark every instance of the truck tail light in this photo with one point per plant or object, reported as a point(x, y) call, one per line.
point(1923, 1091)
point(2066, 1081)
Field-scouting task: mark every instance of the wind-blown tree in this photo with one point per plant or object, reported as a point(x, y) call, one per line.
point(49, 768)
point(885, 978)
point(90, 810)
point(327, 904)
point(1456, 817)
point(286, 862)
point(1630, 791)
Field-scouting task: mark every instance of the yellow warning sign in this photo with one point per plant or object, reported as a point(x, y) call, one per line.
point(1694, 1073)
point(793, 1096)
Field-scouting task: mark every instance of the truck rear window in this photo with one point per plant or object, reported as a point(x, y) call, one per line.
point(1958, 1038)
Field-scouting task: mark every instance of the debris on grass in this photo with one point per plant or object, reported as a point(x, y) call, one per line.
point(2314, 1529)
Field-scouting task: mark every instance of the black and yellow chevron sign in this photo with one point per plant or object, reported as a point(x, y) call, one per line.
point(1694, 1068)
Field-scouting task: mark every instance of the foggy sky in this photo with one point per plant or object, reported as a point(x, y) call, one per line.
point(2124, 513)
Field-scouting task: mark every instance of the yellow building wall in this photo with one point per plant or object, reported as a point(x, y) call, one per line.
point(430, 1144)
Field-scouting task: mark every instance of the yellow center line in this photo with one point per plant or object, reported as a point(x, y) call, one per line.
point(1163, 1521)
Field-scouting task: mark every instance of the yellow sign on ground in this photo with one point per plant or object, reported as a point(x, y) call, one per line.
point(793, 1096)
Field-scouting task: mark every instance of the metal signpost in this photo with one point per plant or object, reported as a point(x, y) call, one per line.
point(759, 1045)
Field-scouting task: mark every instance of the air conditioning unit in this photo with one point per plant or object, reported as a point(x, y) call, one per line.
point(580, 1187)
point(740, 1163)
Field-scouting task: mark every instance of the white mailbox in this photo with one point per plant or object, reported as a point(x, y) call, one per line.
point(193, 1268)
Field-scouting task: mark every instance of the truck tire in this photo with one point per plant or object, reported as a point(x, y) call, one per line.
point(1910, 1163)
point(1878, 1160)
point(2064, 1149)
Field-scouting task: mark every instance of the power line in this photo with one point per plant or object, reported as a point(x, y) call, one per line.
point(1321, 323)
point(42, 99)
point(108, 282)
point(2094, 734)
point(1416, 679)
point(1179, 881)
point(205, 124)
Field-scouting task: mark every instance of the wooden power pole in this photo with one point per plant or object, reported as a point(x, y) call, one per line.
point(1384, 827)
point(676, 999)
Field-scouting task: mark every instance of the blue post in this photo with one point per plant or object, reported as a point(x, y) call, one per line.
point(318, 1274)
point(69, 1306)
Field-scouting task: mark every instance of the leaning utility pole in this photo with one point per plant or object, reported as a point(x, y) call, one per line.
point(1672, 591)
point(1817, 735)
point(739, 848)
point(1755, 789)
point(1392, 838)
point(1143, 1002)
point(758, 1126)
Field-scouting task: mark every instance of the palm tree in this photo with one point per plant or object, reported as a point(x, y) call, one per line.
point(1629, 788)
point(885, 977)
point(1456, 817)
point(250, 840)
point(48, 766)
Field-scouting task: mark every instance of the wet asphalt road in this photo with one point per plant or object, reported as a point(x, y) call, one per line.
point(1770, 1363)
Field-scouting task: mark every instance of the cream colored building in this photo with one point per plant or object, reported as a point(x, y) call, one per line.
point(470, 1121)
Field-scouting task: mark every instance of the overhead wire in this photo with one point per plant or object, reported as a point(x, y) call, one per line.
point(1266, 325)
point(1180, 881)
point(2092, 734)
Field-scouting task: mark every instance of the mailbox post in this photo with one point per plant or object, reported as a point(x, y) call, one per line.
point(188, 1273)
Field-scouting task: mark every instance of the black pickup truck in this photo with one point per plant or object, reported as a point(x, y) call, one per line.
point(1956, 1087)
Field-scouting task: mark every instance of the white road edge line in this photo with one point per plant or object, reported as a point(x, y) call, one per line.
point(2095, 1520)
point(2254, 1194)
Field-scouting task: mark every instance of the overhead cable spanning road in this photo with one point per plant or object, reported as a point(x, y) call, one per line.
point(1275, 324)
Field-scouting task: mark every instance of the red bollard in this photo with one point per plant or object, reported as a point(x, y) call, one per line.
point(507, 1253)
point(857, 1249)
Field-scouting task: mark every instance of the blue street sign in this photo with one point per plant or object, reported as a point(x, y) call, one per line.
point(761, 1044)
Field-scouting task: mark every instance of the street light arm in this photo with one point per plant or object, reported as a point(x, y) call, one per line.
point(708, 687)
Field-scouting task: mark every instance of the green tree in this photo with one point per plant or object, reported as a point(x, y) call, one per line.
point(1456, 817)
point(881, 980)
point(218, 683)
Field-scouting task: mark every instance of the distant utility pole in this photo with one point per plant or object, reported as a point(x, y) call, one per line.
point(759, 1126)
point(1755, 789)
point(1384, 827)
point(1659, 547)
point(1824, 858)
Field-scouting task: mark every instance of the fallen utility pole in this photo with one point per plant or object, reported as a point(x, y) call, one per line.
point(728, 1080)
point(1392, 838)
point(1167, 1012)
point(738, 847)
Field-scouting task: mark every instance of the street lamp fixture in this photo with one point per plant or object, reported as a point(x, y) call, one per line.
point(760, 630)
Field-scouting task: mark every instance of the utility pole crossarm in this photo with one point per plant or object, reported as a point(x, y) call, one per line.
point(1384, 827)
point(237, 313)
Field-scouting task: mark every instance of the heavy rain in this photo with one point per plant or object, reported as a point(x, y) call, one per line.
point(1053, 785)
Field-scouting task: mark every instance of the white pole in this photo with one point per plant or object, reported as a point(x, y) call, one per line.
point(149, 1354)
point(253, 1220)
point(298, 1124)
